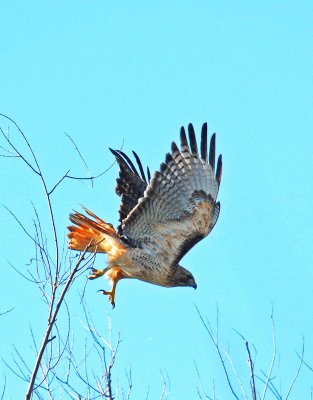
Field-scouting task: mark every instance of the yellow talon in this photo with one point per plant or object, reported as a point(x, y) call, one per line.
point(114, 274)
point(110, 294)
point(96, 273)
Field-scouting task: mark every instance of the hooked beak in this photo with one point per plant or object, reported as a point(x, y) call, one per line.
point(194, 286)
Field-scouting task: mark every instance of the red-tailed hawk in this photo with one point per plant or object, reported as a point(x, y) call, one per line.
point(161, 218)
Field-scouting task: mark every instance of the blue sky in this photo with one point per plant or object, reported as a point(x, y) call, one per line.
point(111, 73)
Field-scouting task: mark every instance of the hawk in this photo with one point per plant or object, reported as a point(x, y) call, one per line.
point(161, 217)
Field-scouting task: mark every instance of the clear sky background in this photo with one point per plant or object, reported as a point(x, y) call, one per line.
point(115, 72)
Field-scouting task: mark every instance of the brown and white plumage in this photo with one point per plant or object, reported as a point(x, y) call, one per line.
point(161, 217)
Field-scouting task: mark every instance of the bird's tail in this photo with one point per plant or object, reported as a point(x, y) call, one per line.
point(94, 234)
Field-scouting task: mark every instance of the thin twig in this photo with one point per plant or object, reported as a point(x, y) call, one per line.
point(109, 370)
point(32, 279)
point(201, 386)
point(7, 311)
point(251, 366)
point(15, 149)
point(80, 154)
point(19, 375)
point(271, 386)
point(269, 374)
point(214, 340)
point(164, 389)
point(130, 383)
point(51, 322)
point(305, 363)
point(45, 267)
point(80, 178)
point(22, 226)
point(297, 372)
point(236, 374)
point(4, 387)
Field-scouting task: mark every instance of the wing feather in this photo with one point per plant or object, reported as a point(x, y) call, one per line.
point(129, 161)
point(192, 141)
point(204, 143)
point(212, 153)
point(179, 205)
point(142, 173)
point(218, 175)
point(130, 185)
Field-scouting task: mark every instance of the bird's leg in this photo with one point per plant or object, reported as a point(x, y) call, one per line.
point(115, 274)
point(111, 294)
point(96, 273)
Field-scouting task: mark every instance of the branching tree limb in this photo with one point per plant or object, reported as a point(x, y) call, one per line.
point(54, 275)
point(3, 389)
point(6, 311)
point(53, 313)
point(266, 380)
point(214, 339)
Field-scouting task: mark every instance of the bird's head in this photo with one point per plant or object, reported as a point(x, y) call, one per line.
point(183, 277)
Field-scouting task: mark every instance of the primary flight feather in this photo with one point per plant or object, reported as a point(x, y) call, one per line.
point(161, 217)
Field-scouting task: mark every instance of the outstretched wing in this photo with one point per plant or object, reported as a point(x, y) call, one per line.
point(178, 208)
point(130, 185)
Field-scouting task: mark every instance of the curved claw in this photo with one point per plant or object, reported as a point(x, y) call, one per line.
point(111, 296)
point(96, 273)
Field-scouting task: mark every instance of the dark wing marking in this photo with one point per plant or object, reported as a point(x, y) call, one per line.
point(192, 240)
point(148, 174)
point(142, 173)
point(130, 184)
point(192, 141)
point(219, 170)
point(178, 207)
point(212, 152)
point(204, 142)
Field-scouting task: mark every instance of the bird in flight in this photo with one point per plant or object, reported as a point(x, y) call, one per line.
point(161, 217)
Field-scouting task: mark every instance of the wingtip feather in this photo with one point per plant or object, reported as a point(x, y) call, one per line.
point(183, 138)
point(192, 140)
point(204, 142)
point(219, 168)
point(114, 152)
point(142, 172)
point(212, 152)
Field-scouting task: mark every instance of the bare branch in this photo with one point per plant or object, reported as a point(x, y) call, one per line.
point(58, 182)
point(130, 383)
point(236, 374)
point(19, 375)
point(251, 367)
point(201, 388)
point(269, 374)
point(305, 363)
point(79, 178)
point(10, 153)
point(22, 226)
point(297, 372)
point(4, 387)
point(109, 370)
point(7, 311)
point(15, 149)
point(165, 392)
point(51, 322)
point(215, 342)
point(54, 280)
point(80, 155)
point(271, 386)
